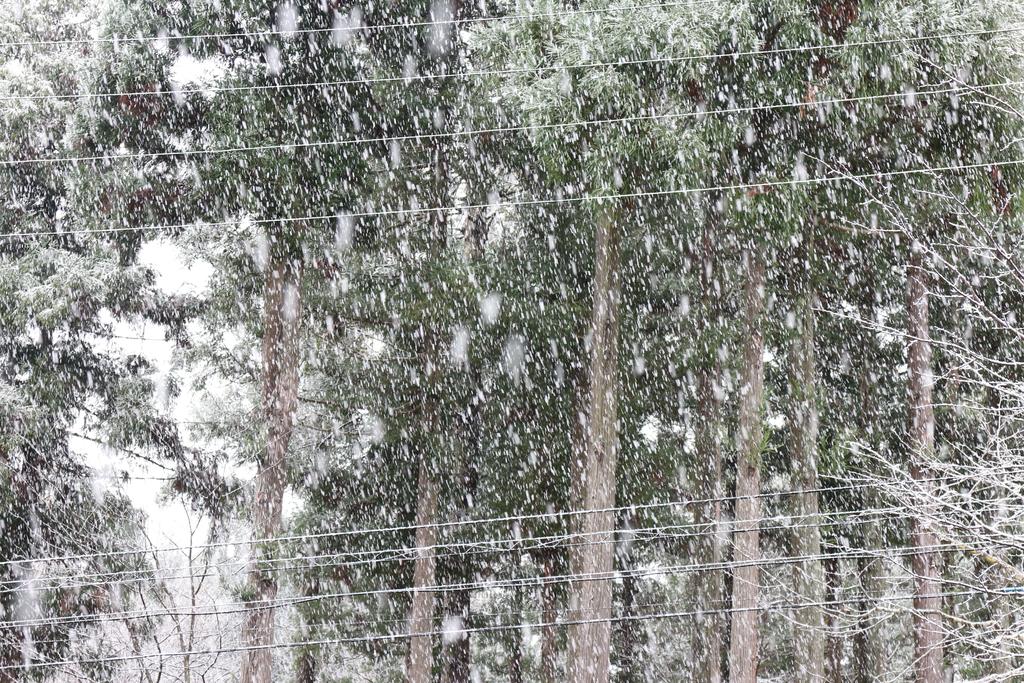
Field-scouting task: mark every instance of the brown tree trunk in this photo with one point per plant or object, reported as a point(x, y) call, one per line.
point(456, 656)
point(630, 658)
point(808, 578)
point(280, 367)
point(707, 480)
point(420, 664)
point(548, 615)
point(455, 653)
point(834, 644)
point(590, 643)
point(10, 658)
point(515, 659)
point(421, 614)
point(869, 644)
point(10, 639)
point(926, 562)
point(743, 641)
point(515, 642)
point(305, 668)
point(306, 665)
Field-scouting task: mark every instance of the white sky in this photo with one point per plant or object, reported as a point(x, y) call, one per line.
point(168, 522)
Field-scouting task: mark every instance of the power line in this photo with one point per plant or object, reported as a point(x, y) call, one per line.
point(354, 29)
point(625, 62)
point(336, 622)
point(541, 517)
point(407, 552)
point(509, 71)
point(492, 628)
point(471, 547)
point(764, 185)
point(525, 582)
point(422, 137)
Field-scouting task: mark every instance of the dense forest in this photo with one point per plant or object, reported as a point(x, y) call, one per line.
point(380, 340)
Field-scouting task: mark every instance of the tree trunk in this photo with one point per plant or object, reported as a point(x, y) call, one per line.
point(834, 645)
point(280, 361)
point(11, 639)
point(455, 653)
point(10, 658)
point(707, 483)
point(306, 664)
point(869, 644)
point(630, 659)
point(515, 658)
point(421, 615)
point(515, 643)
point(548, 615)
point(743, 641)
point(420, 664)
point(808, 578)
point(590, 643)
point(305, 668)
point(926, 562)
point(456, 656)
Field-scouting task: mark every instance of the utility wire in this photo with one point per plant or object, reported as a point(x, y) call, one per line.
point(470, 547)
point(355, 29)
point(412, 78)
point(423, 137)
point(541, 517)
point(525, 582)
point(340, 621)
point(492, 628)
point(760, 186)
point(713, 56)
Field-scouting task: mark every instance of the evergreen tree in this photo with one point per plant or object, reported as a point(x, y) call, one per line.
point(63, 373)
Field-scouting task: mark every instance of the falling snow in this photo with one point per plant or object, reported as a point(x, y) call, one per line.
point(530, 341)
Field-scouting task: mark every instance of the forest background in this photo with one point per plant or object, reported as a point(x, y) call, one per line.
point(562, 341)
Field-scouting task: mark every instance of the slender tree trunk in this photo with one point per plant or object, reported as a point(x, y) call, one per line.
point(305, 668)
point(280, 359)
point(630, 659)
point(421, 615)
point(10, 639)
point(744, 636)
point(455, 655)
point(1005, 607)
point(710, 584)
point(133, 638)
point(306, 659)
point(420, 664)
point(869, 645)
point(590, 643)
point(548, 615)
point(515, 658)
point(926, 562)
point(834, 643)
point(11, 658)
point(808, 578)
point(16, 521)
point(515, 643)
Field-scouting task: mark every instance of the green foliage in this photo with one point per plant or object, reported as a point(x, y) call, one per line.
point(458, 340)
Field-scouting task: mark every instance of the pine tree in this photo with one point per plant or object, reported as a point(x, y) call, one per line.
point(63, 375)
